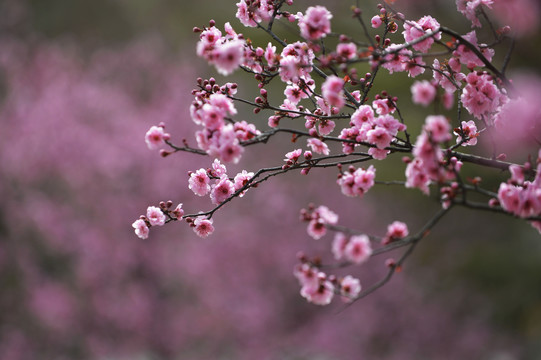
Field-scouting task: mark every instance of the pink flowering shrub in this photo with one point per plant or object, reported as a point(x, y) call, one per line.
point(322, 88)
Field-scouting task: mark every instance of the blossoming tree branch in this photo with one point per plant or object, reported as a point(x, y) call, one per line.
point(322, 88)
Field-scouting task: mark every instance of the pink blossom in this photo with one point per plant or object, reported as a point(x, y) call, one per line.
point(222, 190)
point(414, 30)
point(326, 126)
point(364, 179)
point(293, 156)
point(203, 226)
point(378, 154)
point(218, 169)
point(321, 294)
point(395, 231)
point(416, 176)
point(332, 91)
point(376, 21)
point(415, 66)
point(241, 179)
point(316, 228)
point(383, 106)
point(350, 288)
point(467, 56)
point(423, 92)
point(468, 8)
point(379, 137)
point(438, 127)
point(306, 275)
point(141, 228)
point(155, 137)
point(469, 131)
point(480, 96)
point(449, 81)
point(396, 58)
point(326, 215)
point(228, 56)
point(270, 54)
point(517, 174)
point(316, 23)
point(347, 51)
point(199, 182)
point(155, 216)
point(339, 245)
point(364, 114)
point(178, 212)
point(318, 146)
point(251, 15)
point(296, 62)
point(358, 249)
point(245, 131)
point(294, 93)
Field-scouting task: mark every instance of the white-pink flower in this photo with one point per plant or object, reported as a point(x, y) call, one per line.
point(222, 190)
point(358, 249)
point(332, 90)
point(423, 92)
point(155, 137)
point(350, 287)
point(203, 226)
point(316, 23)
point(318, 146)
point(229, 56)
point(155, 216)
point(141, 228)
point(199, 182)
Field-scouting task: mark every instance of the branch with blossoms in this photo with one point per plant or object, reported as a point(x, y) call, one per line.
point(323, 89)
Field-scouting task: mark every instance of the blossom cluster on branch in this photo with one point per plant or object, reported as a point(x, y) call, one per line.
point(328, 82)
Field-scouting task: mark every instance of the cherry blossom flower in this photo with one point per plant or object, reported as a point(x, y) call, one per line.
point(339, 245)
point(332, 91)
point(141, 228)
point(414, 30)
point(350, 288)
point(199, 182)
point(320, 294)
point(222, 190)
point(155, 137)
point(376, 21)
point(469, 131)
point(155, 216)
point(203, 226)
point(395, 231)
point(316, 23)
point(229, 56)
point(438, 127)
point(358, 249)
point(348, 50)
point(241, 179)
point(178, 212)
point(318, 146)
point(423, 92)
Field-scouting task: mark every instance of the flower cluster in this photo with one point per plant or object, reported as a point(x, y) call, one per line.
point(356, 182)
point(429, 164)
point(378, 131)
point(211, 108)
point(223, 187)
point(520, 196)
point(156, 216)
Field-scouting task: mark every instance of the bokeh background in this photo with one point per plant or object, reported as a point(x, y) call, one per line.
point(82, 81)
